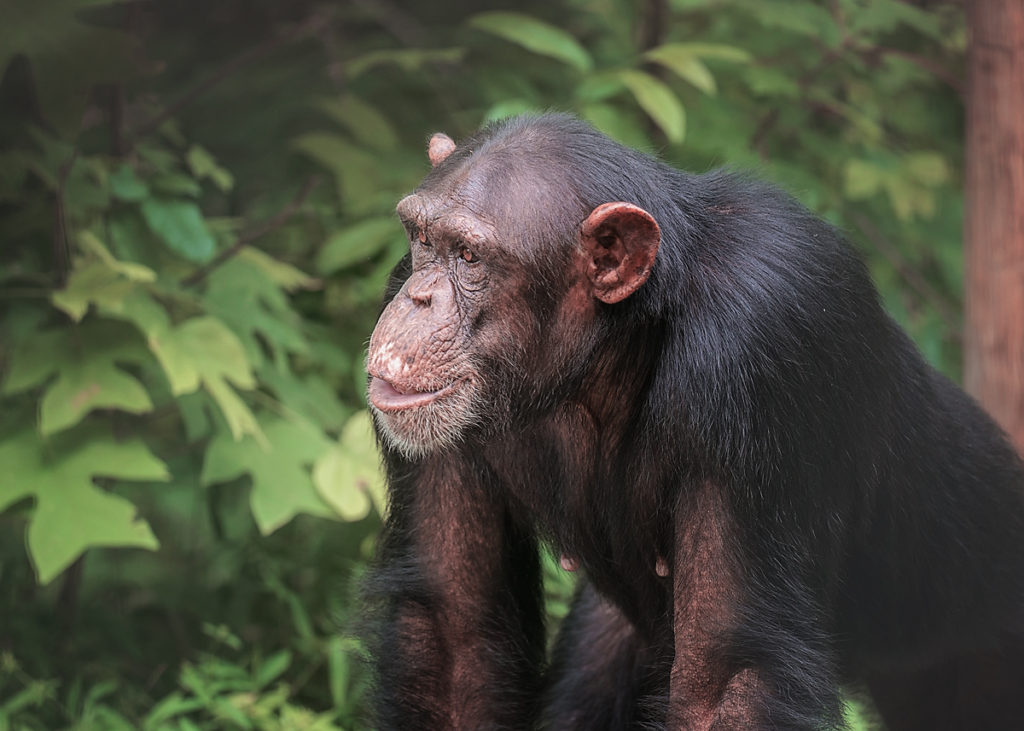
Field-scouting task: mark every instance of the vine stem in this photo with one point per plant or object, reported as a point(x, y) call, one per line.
point(246, 238)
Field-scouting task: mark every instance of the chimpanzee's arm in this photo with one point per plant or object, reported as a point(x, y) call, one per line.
point(748, 650)
point(604, 676)
point(461, 640)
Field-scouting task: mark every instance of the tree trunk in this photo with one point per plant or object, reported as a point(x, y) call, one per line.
point(994, 226)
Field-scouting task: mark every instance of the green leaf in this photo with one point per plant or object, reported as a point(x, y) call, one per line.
point(407, 59)
point(929, 168)
point(284, 275)
point(92, 382)
point(661, 105)
point(768, 81)
point(684, 64)
point(71, 513)
point(359, 242)
point(125, 186)
point(272, 668)
point(509, 108)
point(861, 179)
point(98, 278)
point(244, 295)
point(349, 476)
point(356, 171)
point(175, 184)
point(338, 670)
point(34, 360)
point(88, 377)
point(179, 223)
point(202, 165)
point(281, 483)
point(203, 351)
point(362, 120)
point(885, 16)
point(600, 86)
point(534, 35)
point(800, 17)
point(718, 51)
point(615, 123)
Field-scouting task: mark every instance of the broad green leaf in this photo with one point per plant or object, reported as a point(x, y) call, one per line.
point(359, 242)
point(615, 123)
point(356, 170)
point(598, 87)
point(798, 16)
point(256, 308)
point(929, 168)
point(363, 121)
point(309, 395)
point(338, 670)
point(407, 59)
point(284, 275)
point(91, 282)
point(179, 223)
point(203, 351)
point(135, 272)
point(98, 278)
point(202, 165)
point(861, 179)
point(768, 81)
point(885, 16)
point(281, 483)
point(173, 184)
point(536, 36)
point(272, 668)
point(661, 105)
point(718, 51)
point(125, 186)
point(87, 375)
point(71, 513)
point(34, 360)
point(684, 64)
point(92, 382)
point(349, 476)
point(509, 108)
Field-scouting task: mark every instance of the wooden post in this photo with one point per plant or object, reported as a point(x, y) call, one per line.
point(994, 217)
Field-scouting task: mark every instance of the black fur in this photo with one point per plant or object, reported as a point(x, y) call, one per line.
point(877, 513)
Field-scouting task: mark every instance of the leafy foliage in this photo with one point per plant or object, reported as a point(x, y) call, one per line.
point(195, 239)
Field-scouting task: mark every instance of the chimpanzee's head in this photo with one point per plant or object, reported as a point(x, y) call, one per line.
point(501, 309)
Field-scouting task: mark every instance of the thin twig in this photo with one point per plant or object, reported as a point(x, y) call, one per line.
point(259, 231)
point(926, 64)
point(61, 246)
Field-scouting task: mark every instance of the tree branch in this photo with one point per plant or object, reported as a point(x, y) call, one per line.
point(259, 231)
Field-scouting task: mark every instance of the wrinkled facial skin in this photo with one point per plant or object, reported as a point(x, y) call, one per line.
point(460, 318)
point(496, 323)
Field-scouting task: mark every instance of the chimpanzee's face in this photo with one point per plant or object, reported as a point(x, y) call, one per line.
point(500, 303)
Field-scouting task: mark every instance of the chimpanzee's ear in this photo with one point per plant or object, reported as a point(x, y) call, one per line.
point(620, 241)
point(440, 147)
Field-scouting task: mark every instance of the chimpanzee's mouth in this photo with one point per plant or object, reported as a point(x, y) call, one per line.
point(388, 399)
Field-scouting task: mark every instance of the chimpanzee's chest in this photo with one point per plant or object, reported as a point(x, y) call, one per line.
point(594, 507)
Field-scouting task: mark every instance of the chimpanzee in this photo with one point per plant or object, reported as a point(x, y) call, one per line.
point(687, 385)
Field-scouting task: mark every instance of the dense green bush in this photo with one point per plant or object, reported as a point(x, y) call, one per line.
point(196, 225)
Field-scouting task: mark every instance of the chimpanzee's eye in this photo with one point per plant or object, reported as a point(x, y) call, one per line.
point(421, 237)
point(468, 256)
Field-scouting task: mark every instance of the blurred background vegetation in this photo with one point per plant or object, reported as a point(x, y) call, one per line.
point(195, 228)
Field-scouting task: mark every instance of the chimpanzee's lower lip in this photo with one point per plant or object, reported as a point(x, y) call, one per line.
point(387, 398)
